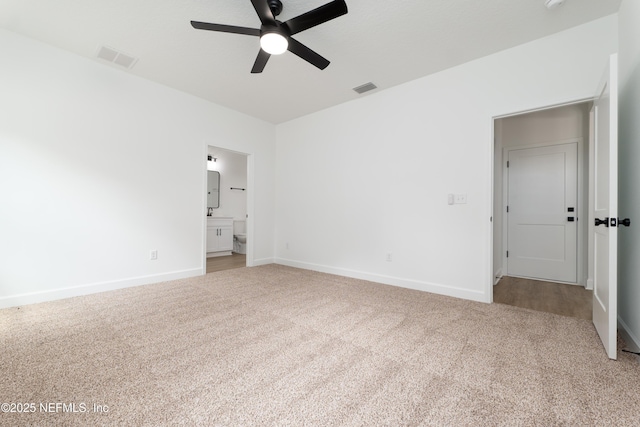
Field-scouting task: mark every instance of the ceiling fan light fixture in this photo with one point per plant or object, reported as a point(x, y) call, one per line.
point(274, 43)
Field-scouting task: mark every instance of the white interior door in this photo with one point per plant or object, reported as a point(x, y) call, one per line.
point(542, 212)
point(605, 208)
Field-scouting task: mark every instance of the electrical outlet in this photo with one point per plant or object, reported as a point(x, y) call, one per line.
point(389, 256)
point(153, 255)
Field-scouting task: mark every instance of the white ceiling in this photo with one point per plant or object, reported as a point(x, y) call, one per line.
point(380, 41)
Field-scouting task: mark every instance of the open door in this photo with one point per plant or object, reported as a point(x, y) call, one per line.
point(605, 208)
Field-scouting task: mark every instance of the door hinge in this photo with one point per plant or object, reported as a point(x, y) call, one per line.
point(507, 254)
point(507, 163)
point(507, 208)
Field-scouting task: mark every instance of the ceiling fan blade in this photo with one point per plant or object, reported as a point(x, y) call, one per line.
point(316, 16)
point(307, 54)
point(264, 12)
point(261, 61)
point(225, 28)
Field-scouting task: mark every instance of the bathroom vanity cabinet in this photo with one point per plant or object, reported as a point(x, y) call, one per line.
point(219, 236)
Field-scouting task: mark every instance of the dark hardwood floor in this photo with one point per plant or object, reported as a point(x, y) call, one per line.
point(226, 262)
point(558, 298)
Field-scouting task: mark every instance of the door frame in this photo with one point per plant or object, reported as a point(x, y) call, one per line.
point(495, 274)
point(580, 202)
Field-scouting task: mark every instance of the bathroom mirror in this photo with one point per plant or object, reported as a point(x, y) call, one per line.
point(213, 189)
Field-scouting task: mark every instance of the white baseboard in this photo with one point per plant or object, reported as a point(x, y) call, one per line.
point(217, 254)
point(633, 343)
point(434, 288)
point(62, 293)
point(262, 261)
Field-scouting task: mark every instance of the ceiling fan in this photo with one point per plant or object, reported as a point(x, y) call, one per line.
point(275, 36)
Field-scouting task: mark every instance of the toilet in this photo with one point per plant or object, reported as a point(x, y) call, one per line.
point(240, 237)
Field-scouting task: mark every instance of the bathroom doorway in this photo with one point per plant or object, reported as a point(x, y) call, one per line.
point(226, 233)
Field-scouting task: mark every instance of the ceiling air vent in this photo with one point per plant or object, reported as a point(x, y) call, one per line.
point(112, 55)
point(365, 88)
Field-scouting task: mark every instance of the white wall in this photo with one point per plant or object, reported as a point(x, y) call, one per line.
point(629, 173)
point(371, 176)
point(98, 167)
point(547, 126)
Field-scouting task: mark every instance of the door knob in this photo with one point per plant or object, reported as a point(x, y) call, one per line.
point(626, 222)
point(604, 222)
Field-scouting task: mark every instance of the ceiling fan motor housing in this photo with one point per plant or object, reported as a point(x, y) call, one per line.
point(281, 29)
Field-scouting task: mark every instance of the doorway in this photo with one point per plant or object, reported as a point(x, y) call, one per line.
point(541, 139)
point(229, 217)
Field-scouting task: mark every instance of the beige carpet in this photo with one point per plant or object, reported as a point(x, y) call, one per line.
point(279, 346)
